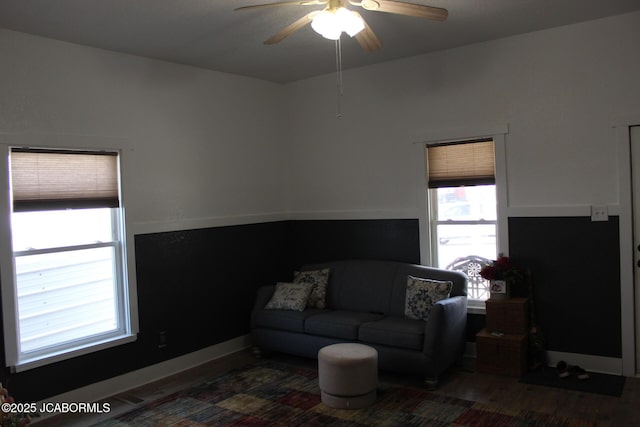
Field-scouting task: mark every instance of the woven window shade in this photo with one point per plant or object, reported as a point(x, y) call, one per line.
point(43, 180)
point(469, 163)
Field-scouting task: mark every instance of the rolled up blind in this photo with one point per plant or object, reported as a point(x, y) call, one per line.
point(456, 164)
point(52, 179)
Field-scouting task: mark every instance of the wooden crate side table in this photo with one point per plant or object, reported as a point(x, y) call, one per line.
point(501, 355)
point(509, 316)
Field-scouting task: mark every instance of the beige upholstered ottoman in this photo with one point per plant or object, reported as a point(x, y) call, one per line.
point(348, 375)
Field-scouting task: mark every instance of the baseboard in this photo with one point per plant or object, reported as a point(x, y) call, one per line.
point(601, 364)
point(104, 389)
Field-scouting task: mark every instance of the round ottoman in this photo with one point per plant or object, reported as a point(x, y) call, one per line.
point(348, 375)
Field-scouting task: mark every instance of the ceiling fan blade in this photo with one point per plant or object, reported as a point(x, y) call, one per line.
point(402, 8)
point(368, 39)
point(284, 3)
point(287, 31)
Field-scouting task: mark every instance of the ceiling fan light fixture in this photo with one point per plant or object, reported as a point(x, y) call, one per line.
point(330, 23)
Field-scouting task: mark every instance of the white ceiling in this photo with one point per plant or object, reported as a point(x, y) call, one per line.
point(210, 34)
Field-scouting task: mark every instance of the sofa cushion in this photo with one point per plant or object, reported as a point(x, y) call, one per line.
point(318, 279)
point(422, 294)
point(286, 320)
point(394, 332)
point(289, 296)
point(338, 324)
point(398, 298)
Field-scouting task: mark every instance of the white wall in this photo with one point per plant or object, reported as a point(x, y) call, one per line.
point(209, 145)
point(560, 91)
point(201, 144)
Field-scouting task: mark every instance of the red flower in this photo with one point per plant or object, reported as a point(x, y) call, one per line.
point(504, 263)
point(489, 272)
point(501, 269)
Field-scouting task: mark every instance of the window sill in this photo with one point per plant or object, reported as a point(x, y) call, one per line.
point(39, 361)
point(476, 307)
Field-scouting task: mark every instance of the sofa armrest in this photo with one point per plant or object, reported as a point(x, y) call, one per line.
point(445, 331)
point(263, 296)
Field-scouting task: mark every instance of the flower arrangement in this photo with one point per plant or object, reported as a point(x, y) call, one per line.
point(502, 269)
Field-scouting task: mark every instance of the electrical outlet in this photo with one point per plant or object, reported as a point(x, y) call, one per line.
point(599, 213)
point(162, 339)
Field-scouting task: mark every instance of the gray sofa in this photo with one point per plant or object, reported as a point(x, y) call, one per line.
point(365, 302)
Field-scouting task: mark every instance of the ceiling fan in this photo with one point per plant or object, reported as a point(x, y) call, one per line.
point(335, 18)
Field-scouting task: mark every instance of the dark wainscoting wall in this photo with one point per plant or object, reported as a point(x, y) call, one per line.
point(322, 240)
point(198, 286)
point(475, 323)
point(576, 274)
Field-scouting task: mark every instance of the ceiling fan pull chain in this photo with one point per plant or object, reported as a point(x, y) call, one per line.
point(339, 78)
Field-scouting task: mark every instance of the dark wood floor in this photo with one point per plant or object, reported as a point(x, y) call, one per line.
point(505, 393)
point(510, 395)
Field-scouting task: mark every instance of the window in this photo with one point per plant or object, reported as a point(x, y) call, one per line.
point(69, 284)
point(463, 209)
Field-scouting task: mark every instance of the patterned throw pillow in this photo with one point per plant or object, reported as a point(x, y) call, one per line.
point(319, 280)
point(289, 296)
point(422, 294)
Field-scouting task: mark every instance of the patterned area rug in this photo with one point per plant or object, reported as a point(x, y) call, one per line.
point(272, 393)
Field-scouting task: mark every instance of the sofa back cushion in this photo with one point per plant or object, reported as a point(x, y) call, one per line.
point(359, 285)
point(378, 286)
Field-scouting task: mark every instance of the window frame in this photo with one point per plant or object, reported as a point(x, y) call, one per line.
point(127, 298)
point(498, 132)
point(435, 222)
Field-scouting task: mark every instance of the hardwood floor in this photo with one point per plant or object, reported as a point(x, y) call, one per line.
point(511, 396)
point(504, 393)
